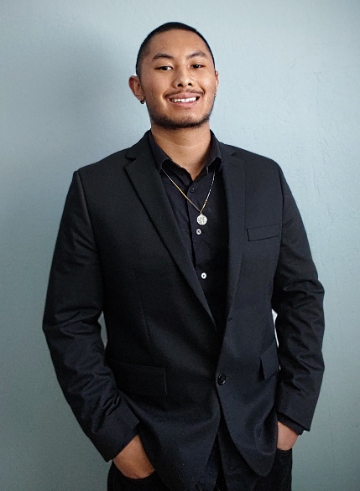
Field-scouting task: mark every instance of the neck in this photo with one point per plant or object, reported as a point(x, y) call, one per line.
point(187, 147)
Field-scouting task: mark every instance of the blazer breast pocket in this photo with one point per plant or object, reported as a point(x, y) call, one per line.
point(263, 232)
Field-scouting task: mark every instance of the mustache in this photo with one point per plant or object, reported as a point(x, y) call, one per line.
point(185, 91)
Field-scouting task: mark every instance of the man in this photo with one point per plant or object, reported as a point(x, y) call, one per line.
point(186, 245)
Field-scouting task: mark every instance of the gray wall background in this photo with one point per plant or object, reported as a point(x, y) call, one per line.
point(289, 89)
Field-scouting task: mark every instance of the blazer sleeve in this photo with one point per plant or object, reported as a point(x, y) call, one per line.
point(73, 306)
point(298, 302)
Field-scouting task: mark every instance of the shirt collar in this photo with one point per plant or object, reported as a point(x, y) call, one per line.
point(160, 156)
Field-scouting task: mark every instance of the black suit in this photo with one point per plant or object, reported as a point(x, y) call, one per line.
point(119, 251)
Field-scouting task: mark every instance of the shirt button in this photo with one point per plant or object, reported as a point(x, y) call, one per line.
point(203, 276)
point(192, 190)
point(198, 231)
point(221, 379)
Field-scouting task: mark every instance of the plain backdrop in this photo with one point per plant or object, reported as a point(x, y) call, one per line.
point(289, 89)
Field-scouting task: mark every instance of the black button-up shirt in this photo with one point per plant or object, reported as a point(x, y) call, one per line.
point(207, 245)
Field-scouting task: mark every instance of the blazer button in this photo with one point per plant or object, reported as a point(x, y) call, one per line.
point(221, 379)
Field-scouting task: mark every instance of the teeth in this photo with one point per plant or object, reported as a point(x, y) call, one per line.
point(191, 99)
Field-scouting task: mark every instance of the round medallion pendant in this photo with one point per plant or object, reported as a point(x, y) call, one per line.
point(201, 219)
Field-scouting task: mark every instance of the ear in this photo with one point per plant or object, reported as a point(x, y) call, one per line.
point(135, 86)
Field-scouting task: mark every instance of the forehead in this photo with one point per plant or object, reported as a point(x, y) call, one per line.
point(176, 43)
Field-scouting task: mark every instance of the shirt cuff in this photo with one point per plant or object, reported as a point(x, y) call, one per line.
point(285, 420)
point(127, 438)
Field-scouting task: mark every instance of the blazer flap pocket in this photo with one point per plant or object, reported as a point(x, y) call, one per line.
point(263, 232)
point(269, 361)
point(139, 379)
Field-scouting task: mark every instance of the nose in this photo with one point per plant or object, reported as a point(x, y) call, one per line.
point(182, 78)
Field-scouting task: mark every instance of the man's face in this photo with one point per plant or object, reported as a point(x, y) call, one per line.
point(178, 80)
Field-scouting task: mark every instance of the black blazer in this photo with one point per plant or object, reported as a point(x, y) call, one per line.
point(164, 371)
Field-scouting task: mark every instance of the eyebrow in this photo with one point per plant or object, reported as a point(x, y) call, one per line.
point(170, 57)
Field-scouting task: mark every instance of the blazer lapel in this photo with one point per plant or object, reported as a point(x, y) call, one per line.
point(147, 182)
point(234, 183)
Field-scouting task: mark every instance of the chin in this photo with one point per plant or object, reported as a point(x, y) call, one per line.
point(169, 123)
point(175, 124)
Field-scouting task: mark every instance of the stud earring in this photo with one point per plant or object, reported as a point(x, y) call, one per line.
point(142, 101)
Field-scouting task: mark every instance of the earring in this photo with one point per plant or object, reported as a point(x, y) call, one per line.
point(142, 101)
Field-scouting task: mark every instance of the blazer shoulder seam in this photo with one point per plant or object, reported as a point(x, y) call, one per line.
point(116, 158)
point(247, 155)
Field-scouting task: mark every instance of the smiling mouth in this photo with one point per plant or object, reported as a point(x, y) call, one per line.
point(184, 100)
point(189, 99)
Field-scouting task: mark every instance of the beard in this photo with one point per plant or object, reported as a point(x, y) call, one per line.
point(176, 124)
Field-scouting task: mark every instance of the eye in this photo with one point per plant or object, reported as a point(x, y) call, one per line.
point(197, 65)
point(165, 68)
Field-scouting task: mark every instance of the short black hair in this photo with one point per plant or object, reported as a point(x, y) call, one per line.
point(169, 26)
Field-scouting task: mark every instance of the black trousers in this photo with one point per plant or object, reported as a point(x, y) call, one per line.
point(279, 479)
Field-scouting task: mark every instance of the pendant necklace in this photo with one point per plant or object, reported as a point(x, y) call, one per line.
point(201, 219)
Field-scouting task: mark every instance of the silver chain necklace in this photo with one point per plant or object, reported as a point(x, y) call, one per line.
point(201, 219)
